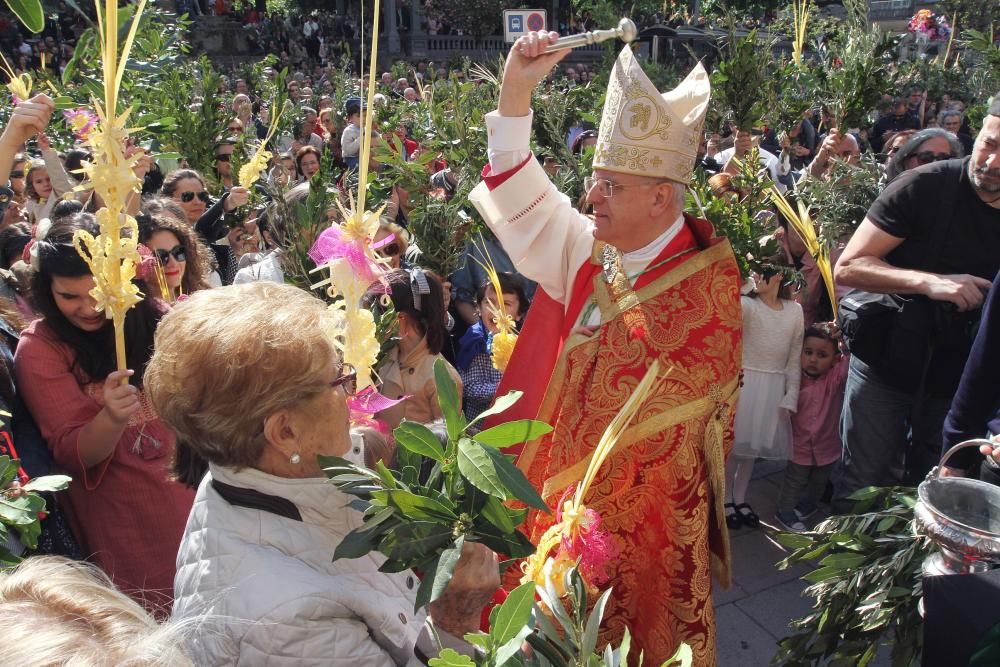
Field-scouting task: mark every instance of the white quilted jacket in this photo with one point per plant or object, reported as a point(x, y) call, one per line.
point(264, 584)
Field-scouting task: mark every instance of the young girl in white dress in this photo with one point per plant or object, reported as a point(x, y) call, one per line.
point(772, 345)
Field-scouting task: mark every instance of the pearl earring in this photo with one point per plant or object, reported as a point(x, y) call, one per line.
point(295, 459)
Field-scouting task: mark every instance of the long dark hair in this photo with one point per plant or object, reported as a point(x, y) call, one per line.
point(160, 214)
point(430, 317)
point(93, 352)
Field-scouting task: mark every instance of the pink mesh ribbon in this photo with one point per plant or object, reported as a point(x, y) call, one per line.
point(367, 403)
point(332, 244)
point(594, 548)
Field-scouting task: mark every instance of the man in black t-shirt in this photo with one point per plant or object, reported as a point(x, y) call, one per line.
point(896, 120)
point(934, 233)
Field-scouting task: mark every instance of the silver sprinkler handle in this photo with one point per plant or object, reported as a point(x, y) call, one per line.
point(626, 31)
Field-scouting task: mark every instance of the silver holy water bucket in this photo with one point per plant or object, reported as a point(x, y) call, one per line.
point(962, 517)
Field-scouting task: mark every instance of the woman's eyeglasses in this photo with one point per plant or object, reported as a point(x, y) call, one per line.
point(927, 157)
point(187, 197)
point(348, 380)
point(391, 250)
point(222, 157)
point(17, 174)
point(177, 252)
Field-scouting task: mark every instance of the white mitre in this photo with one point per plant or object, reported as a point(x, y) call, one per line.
point(649, 134)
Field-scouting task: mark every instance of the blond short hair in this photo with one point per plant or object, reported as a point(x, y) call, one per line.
point(61, 612)
point(226, 359)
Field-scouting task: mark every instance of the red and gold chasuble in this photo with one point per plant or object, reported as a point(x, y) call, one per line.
point(660, 494)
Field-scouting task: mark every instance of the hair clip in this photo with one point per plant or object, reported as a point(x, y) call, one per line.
point(418, 286)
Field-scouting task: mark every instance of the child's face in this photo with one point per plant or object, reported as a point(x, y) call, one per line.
point(818, 355)
point(41, 182)
point(486, 310)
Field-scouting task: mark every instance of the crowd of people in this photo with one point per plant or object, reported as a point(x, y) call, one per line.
point(196, 488)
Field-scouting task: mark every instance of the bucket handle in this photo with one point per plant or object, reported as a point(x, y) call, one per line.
point(935, 473)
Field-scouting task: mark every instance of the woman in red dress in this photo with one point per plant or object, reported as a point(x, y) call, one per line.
point(126, 513)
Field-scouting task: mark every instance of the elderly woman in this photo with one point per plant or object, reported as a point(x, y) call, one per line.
point(257, 556)
point(924, 147)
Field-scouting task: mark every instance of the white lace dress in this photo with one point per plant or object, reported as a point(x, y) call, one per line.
point(772, 349)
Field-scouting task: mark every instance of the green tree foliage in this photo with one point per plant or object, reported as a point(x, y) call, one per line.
point(423, 521)
point(193, 115)
point(854, 69)
point(868, 583)
point(979, 15)
point(725, 8)
point(840, 201)
point(560, 632)
point(742, 81)
point(450, 125)
point(20, 509)
point(744, 217)
point(174, 98)
point(29, 12)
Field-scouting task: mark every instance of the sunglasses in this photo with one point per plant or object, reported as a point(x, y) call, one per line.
point(223, 158)
point(187, 197)
point(927, 157)
point(349, 381)
point(177, 252)
point(17, 174)
point(390, 250)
